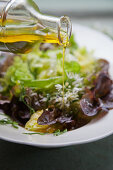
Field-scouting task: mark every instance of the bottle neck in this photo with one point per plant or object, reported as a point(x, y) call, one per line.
point(61, 26)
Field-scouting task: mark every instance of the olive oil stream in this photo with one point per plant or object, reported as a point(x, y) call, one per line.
point(63, 62)
point(63, 71)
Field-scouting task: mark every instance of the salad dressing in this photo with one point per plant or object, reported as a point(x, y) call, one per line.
point(63, 71)
point(63, 68)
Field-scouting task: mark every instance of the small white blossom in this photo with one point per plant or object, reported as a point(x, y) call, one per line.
point(71, 91)
point(74, 76)
point(66, 84)
point(44, 99)
point(58, 87)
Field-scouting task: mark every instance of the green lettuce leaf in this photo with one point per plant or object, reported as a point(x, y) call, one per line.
point(18, 71)
point(40, 84)
point(72, 66)
point(73, 44)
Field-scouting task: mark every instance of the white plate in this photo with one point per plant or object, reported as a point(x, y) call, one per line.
point(93, 131)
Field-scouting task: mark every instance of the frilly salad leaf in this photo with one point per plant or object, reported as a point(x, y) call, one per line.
point(86, 59)
point(72, 66)
point(69, 66)
point(18, 71)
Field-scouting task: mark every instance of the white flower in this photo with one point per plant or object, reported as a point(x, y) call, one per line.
point(58, 87)
point(71, 91)
point(74, 76)
point(44, 99)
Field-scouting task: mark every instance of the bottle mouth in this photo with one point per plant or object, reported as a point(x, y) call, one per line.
point(64, 30)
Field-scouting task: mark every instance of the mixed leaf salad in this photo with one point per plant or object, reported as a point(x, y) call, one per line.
point(31, 90)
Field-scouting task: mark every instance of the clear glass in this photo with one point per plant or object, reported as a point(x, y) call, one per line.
point(22, 25)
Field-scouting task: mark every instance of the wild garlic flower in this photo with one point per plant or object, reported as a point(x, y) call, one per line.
point(58, 87)
point(76, 77)
point(71, 90)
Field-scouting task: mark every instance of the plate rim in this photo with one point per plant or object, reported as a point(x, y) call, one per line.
point(56, 145)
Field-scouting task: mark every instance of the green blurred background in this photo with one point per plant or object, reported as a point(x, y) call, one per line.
point(76, 6)
point(95, 13)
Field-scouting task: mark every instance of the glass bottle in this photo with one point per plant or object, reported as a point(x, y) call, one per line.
point(22, 25)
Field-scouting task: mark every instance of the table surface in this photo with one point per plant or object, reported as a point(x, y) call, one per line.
point(92, 156)
point(97, 155)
